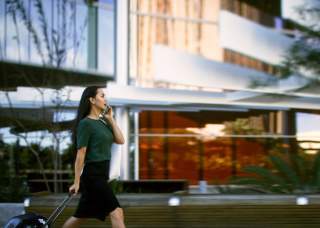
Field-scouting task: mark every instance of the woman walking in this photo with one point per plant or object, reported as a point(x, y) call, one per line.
point(93, 136)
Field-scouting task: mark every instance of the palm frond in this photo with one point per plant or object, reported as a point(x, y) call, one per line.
point(316, 170)
point(286, 170)
point(266, 174)
point(261, 185)
point(300, 164)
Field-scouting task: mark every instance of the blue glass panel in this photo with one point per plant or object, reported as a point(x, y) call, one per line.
point(106, 33)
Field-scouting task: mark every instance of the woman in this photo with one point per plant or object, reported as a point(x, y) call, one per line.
point(93, 138)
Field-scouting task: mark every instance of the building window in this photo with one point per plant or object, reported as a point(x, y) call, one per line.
point(308, 131)
point(182, 25)
point(205, 145)
point(106, 35)
point(55, 33)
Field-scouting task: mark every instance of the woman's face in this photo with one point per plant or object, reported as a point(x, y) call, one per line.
point(100, 100)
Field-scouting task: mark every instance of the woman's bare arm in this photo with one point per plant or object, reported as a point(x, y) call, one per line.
point(78, 166)
point(118, 136)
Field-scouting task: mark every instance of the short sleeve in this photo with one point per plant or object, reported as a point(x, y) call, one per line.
point(83, 134)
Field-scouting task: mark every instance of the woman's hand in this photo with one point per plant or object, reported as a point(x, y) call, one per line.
point(109, 114)
point(74, 188)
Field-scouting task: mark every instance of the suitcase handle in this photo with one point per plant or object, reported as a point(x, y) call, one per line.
point(58, 210)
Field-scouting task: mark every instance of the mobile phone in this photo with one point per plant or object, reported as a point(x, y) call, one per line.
point(106, 110)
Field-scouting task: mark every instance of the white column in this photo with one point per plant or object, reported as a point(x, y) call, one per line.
point(136, 144)
point(122, 119)
point(121, 78)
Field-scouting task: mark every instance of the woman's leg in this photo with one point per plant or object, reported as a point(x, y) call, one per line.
point(73, 222)
point(117, 218)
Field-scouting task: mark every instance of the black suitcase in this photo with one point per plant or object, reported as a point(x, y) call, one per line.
point(32, 220)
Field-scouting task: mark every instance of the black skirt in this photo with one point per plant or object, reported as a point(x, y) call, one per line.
point(97, 198)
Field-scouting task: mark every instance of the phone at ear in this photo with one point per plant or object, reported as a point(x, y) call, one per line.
point(106, 110)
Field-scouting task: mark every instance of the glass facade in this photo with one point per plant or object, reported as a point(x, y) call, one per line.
point(183, 25)
point(55, 33)
point(106, 35)
point(191, 27)
point(216, 146)
point(49, 51)
point(205, 145)
point(192, 145)
point(308, 125)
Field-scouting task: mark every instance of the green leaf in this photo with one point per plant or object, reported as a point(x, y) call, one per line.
point(285, 169)
point(265, 174)
point(316, 170)
point(261, 185)
point(302, 169)
point(248, 181)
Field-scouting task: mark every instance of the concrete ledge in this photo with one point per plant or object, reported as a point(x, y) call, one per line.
point(129, 200)
point(199, 211)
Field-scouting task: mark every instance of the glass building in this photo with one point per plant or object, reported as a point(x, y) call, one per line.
point(185, 78)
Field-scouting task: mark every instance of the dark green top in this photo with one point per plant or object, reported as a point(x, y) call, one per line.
point(97, 137)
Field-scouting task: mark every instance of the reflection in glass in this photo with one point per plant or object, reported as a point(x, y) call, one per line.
point(308, 125)
point(212, 146)
point(54, 33)
point(106, 38)
point(182, 25)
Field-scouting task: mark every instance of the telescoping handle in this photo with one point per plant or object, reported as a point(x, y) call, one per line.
point(58, 210)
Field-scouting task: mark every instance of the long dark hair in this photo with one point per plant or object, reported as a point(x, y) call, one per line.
point(83, 109)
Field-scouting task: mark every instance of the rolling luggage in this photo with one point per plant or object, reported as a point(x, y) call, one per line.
point(32, 220)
